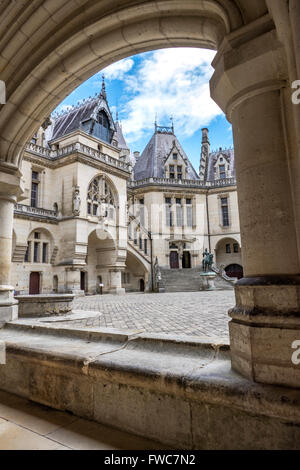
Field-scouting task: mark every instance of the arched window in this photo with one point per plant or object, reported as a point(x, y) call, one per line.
point(100, 198)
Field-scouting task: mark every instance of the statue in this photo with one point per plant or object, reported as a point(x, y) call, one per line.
point(102, 209)
point(76, 201)
point(207, 261)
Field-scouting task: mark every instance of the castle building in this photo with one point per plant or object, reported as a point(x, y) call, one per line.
point(95, 217)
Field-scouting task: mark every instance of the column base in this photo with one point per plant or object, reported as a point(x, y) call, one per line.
point(265, 330)
point(8, 305)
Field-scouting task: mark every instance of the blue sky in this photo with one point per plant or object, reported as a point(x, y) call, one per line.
point(164, 83)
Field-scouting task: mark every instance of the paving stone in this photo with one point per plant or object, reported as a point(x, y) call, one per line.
point(187, 313)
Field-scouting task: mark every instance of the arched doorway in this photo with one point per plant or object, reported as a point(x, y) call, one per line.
point(234, 270)
point(186, 260)
point(142, 285)
point(34, 283)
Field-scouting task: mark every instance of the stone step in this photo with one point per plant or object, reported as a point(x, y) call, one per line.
point(188, 280)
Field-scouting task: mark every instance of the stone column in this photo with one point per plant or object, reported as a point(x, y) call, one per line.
point(8, 305)
point(116, 281)
point(265, 321)
point(73, 281)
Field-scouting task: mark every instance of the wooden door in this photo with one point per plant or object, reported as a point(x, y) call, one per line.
point(174, 261)
point(186, 259)
point(34, 283)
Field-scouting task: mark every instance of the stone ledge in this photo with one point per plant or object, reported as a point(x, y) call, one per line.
point(43, 305)
point(181, 392)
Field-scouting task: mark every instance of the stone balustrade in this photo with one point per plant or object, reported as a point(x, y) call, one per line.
point(35, 211)
point(184, 183)
point(77, 148)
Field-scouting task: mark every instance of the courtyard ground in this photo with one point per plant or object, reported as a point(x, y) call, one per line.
point(183, 313)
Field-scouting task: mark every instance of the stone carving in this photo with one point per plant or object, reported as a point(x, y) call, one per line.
point(207, 261)
point(102, 209)
point(76, 201)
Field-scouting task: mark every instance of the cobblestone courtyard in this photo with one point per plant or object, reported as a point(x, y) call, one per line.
point(185, 313)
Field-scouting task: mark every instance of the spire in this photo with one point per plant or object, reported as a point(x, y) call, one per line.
point(172, 122)
point(103, 90)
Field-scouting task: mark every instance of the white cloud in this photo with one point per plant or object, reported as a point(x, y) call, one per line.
point(169, 82)
point(118, 69)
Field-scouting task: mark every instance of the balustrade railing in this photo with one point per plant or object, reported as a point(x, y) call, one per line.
point(77, 148)
point(35, 211)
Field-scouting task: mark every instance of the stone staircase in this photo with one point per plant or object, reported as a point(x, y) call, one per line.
point(188, 280)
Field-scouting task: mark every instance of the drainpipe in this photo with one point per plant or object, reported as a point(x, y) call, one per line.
point(151, 257)
point(208, 225)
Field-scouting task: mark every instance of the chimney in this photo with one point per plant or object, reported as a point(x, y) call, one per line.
point(205, 139)
point(136, 154)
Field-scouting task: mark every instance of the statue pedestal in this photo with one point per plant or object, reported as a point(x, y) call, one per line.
point(207, 280)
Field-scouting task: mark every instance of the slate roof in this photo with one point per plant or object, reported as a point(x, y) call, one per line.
point(84, 116)
point(71, 120)
point(120, 137)
point(228, 154)
point(151, 162)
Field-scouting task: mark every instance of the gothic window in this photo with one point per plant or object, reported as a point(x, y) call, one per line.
point(169, 215)
point(179, 220)
point(225, 211)
point(100, 198)
point(34, 189)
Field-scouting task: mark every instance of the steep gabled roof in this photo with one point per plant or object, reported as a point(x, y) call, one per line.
point(83, 116)
point(122, 144)
point(152, 160)
point(228, 154)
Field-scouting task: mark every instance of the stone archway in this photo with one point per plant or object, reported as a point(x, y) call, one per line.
point(47, 49)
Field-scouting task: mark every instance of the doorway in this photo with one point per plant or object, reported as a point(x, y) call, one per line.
point(142, 285)
point(34, 283)
point(83, 280)
point(186, 260)
point(174, 260)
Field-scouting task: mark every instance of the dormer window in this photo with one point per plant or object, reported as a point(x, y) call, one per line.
point(103, 120)
point(172, 172)
point(222, 171)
